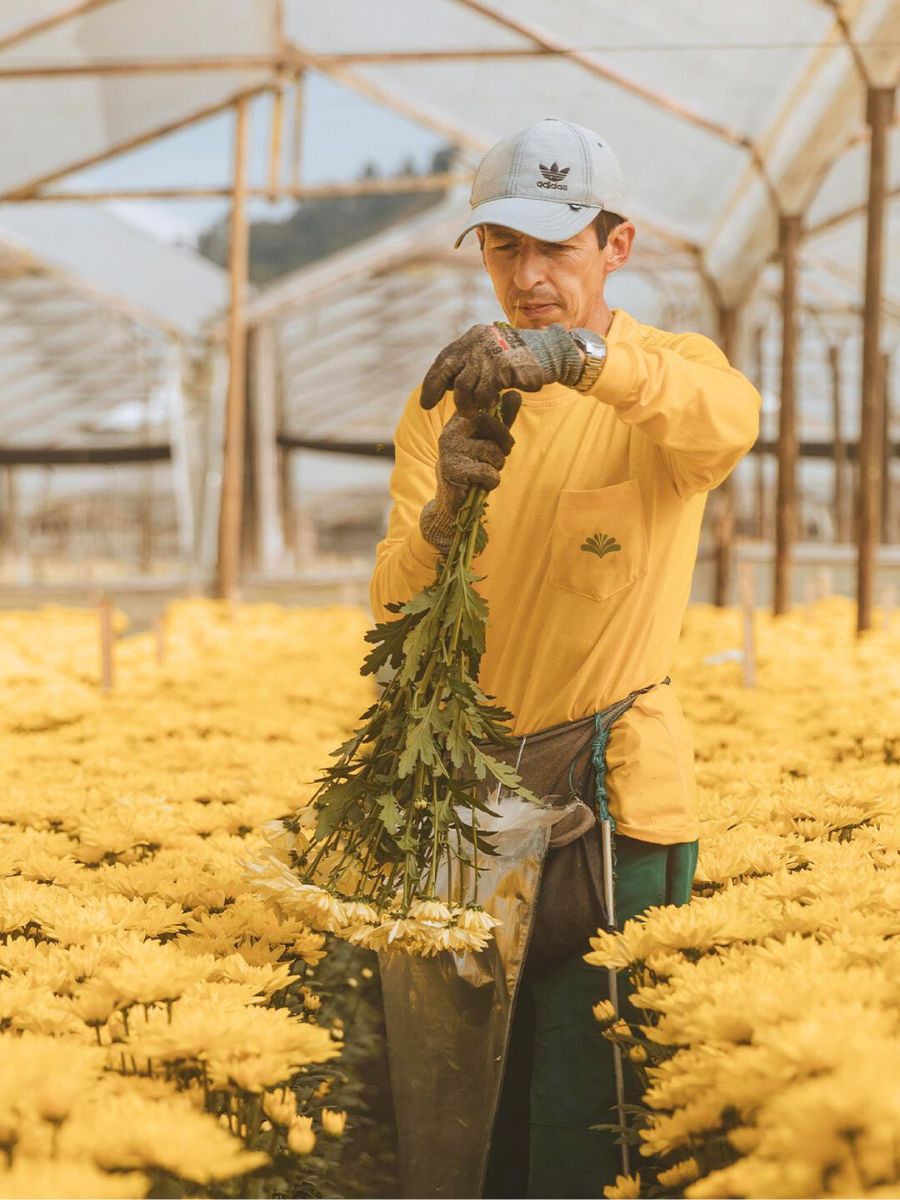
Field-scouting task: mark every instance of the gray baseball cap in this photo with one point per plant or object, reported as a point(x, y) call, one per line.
point(548, 181)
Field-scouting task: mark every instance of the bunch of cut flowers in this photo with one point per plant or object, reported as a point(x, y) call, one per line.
point(389, 850)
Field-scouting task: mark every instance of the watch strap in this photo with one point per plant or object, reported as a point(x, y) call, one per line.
point(593, 365)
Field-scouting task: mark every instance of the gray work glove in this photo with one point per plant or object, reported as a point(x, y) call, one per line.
point(471, 450)
point(489, 358)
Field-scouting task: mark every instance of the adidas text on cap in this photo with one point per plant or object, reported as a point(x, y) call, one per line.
point(548, 181)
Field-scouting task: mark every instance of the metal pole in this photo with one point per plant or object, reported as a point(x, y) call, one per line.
point(879, 111)
point(725, 492)
point(840, 448)
point(786, 497)
point(233, 465)
point(612, 976)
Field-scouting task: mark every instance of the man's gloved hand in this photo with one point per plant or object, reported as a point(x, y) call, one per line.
point(489, 358)
point(471, 450)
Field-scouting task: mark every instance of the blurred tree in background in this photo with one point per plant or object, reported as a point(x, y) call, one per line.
point(319, 227)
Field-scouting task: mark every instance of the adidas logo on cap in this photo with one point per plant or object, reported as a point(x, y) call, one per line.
point(553, 177)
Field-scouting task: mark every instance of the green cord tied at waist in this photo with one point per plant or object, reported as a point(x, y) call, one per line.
point(603, 723)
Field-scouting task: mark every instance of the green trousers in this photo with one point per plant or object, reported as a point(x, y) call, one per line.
point(559, 1077)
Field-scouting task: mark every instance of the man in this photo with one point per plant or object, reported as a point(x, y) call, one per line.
point(620, 432)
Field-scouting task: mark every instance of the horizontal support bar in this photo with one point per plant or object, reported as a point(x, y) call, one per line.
point(99, 455)
point(81, 456)
point(817, 449)
point(361, 449)
point(386, 449)
point(283, 63)
point(313, 191)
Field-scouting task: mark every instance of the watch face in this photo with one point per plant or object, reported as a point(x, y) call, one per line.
point(590, 342)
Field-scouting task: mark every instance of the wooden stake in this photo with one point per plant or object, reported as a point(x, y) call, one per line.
point(879, 113)
point(748, 620)
point(759, 371)
point(786, 502)
point(297, 128)
point(724, 524)
point(840, 448)
point(229, 563)
point(275, 141)
point(105, 615)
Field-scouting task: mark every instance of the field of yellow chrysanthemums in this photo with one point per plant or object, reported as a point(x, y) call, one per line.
point(157, 1030)
point(153, 1015)
point(767, 1012)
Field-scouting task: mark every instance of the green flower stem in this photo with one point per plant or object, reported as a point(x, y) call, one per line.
point(435, 838)
point(410, 814)
point(474, 856)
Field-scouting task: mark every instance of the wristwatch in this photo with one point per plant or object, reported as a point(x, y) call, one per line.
point(594, 347)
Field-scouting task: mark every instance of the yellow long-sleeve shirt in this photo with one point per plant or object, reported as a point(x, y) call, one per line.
point(571, 630)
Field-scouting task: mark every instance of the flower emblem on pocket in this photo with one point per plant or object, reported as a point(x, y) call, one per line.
point(600, 544)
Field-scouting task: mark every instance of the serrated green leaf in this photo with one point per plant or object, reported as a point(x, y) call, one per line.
point(392, 816)
point(419, 748)
point(503, 773)
point(388, 637)
point(334, 804)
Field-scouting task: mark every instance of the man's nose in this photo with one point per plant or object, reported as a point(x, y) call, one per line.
point(529, 271)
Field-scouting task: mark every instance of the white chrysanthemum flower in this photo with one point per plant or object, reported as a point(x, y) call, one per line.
point(429, 910)
point(475, 919)
point(358, 912)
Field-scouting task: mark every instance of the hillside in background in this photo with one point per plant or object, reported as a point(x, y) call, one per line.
point(319, 227)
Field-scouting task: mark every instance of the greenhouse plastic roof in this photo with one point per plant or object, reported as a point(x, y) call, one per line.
point(721, 114)
point(168, 286)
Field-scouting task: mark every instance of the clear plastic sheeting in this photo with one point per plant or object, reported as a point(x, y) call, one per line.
point(169, 286)
point(720, 114)
point(92, 310)
point(724, 117)
point(63, 122)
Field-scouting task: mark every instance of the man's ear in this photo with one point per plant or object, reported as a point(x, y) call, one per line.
point(479, 233)
point(619, 245)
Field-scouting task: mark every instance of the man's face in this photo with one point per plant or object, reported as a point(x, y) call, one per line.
point(541, 283)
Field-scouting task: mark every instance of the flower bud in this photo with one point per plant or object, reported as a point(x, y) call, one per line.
point(300, 1140)
point(604, 1012)
point(333, 1122)
point(280, 1106)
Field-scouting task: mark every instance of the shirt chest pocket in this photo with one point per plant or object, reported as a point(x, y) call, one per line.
point(599, 541)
